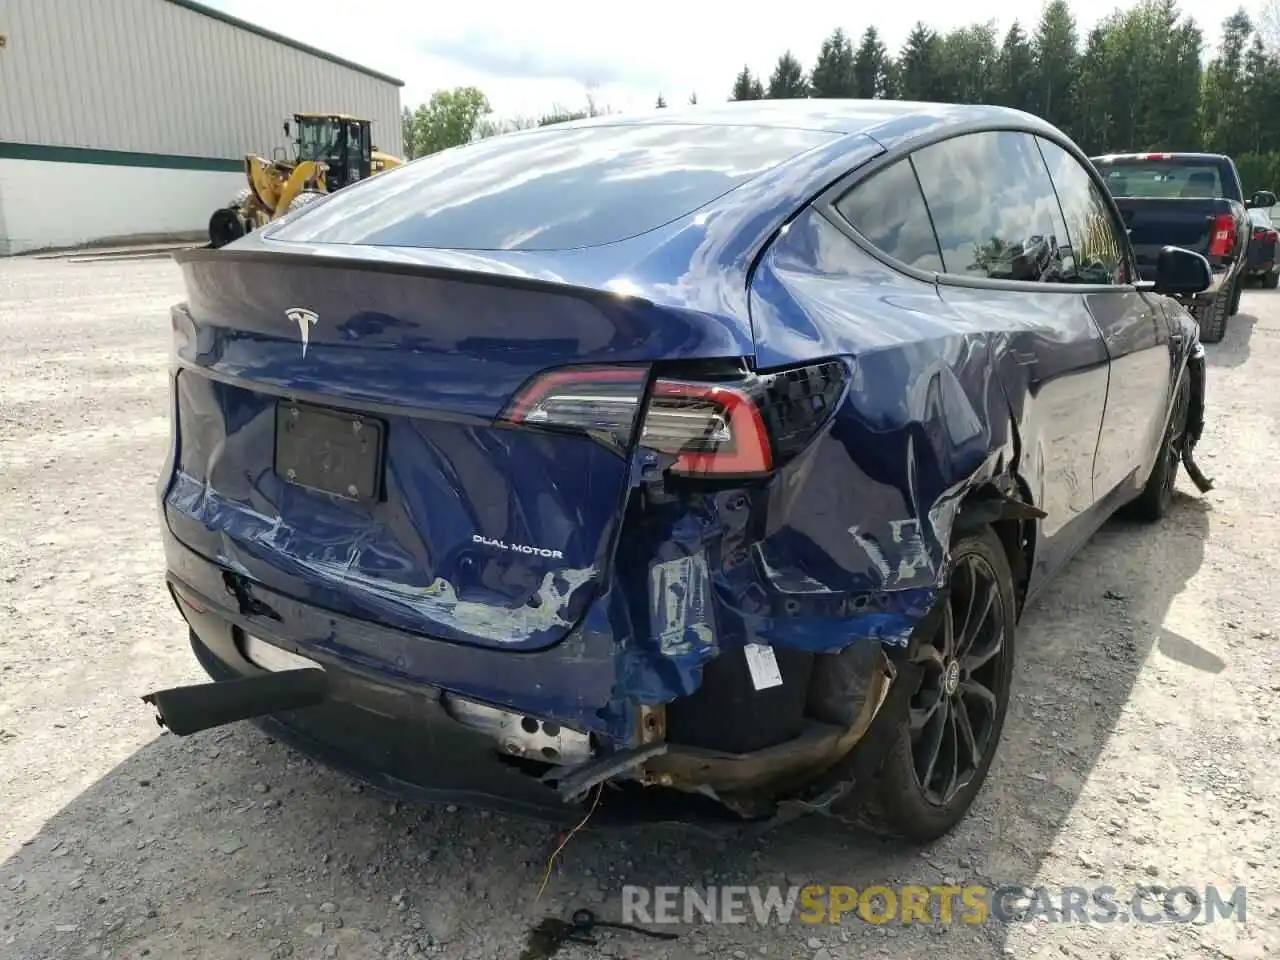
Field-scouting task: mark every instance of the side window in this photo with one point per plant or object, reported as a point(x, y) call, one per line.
point(889, 211)
point(994, 208)
point(1097, 245)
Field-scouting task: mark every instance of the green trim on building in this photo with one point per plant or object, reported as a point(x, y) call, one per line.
point(281, 38)
point(115, 158)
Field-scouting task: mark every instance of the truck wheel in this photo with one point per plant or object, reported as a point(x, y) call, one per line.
point(1270, 280)
point(949, 723)
point(1237, 290)
point(1211, 316)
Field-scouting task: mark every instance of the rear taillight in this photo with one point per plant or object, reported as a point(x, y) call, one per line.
point(1222, 237)
point(588, 399)
point(743, 426)
point(709, 428)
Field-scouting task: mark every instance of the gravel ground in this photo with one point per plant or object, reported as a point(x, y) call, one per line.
point(1140, 750)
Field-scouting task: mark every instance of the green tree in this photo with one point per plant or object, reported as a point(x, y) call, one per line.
point(407, 132)
point(1015, 71)
point(1057, 58)
point(833, 72)
point(1138, 84)
point(747, 86)
point(919, 74)
point(661, 104)
point(1260, 90)
point(1221, 111)
point(450, 118)
point(788, 82)
point(967, 64)
point(871, 67)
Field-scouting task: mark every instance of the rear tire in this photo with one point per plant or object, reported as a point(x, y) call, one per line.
point(949, 727)
point(1270, 280)
point(1211, 317)
point(1237, 291)
point(1157, 496)
point(225, 226)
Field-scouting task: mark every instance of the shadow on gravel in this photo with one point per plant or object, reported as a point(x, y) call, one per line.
point(1233, 350)
point(230, 845)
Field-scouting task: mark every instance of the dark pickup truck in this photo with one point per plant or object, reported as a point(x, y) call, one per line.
point(1189, 200)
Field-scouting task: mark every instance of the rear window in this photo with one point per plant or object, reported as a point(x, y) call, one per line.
point(1162, 179)
point(550, 189)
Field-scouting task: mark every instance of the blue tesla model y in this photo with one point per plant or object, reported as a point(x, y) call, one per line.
point(701, 461)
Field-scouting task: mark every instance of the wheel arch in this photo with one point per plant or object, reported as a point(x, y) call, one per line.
point(1005, 504)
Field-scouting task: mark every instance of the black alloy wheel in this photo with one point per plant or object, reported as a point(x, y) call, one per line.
point(948, 704)
point(955, 712)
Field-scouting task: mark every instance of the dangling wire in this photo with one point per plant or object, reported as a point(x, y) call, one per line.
point(546, 876)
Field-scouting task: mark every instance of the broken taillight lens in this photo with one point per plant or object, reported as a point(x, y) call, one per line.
point(710, 428)
point(1222, 237)
point(715, 427)
point(589, 399)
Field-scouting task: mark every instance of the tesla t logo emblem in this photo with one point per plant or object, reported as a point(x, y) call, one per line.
point(305, 320)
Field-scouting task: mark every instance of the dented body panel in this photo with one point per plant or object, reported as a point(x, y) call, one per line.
point(579, 578)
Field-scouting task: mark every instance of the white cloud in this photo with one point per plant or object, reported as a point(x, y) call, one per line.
point(529, 57)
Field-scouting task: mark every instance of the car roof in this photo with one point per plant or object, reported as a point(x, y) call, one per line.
point(884, 120)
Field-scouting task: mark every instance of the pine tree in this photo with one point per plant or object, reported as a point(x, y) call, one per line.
point(747, 86)
point(661, 102)
point(1057, 63)
point(833, 73)
point(871, 67)
point(919, 64)
point(787, 82)
point(1015, 70)
point(1224, 86)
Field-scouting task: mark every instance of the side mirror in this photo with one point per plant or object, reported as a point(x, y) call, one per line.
point(1263, 199)
point(1182, 272)
point(287, 130)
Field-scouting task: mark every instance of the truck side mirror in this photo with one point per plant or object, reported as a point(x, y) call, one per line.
point(1263, 198)
point(287, 131)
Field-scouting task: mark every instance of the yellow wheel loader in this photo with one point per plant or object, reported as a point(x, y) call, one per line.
point(330, 151)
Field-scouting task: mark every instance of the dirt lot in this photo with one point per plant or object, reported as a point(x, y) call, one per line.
point(1141, 749)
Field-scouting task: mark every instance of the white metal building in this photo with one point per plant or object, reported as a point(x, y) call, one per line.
point(125, 118)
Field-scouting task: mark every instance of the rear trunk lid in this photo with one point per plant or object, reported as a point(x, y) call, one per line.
point(341, 436)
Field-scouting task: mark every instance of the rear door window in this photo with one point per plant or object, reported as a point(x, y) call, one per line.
point(993, 207)
point(551, 189)
point(1097, 248)
point(888, 210)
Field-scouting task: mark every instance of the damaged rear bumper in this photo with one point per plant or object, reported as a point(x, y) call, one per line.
point(416, 739)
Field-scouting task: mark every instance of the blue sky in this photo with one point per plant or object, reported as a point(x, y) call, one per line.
point(531, 56)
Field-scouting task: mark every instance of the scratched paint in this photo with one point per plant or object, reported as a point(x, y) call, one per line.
point(680, 613)
point(437, 600)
